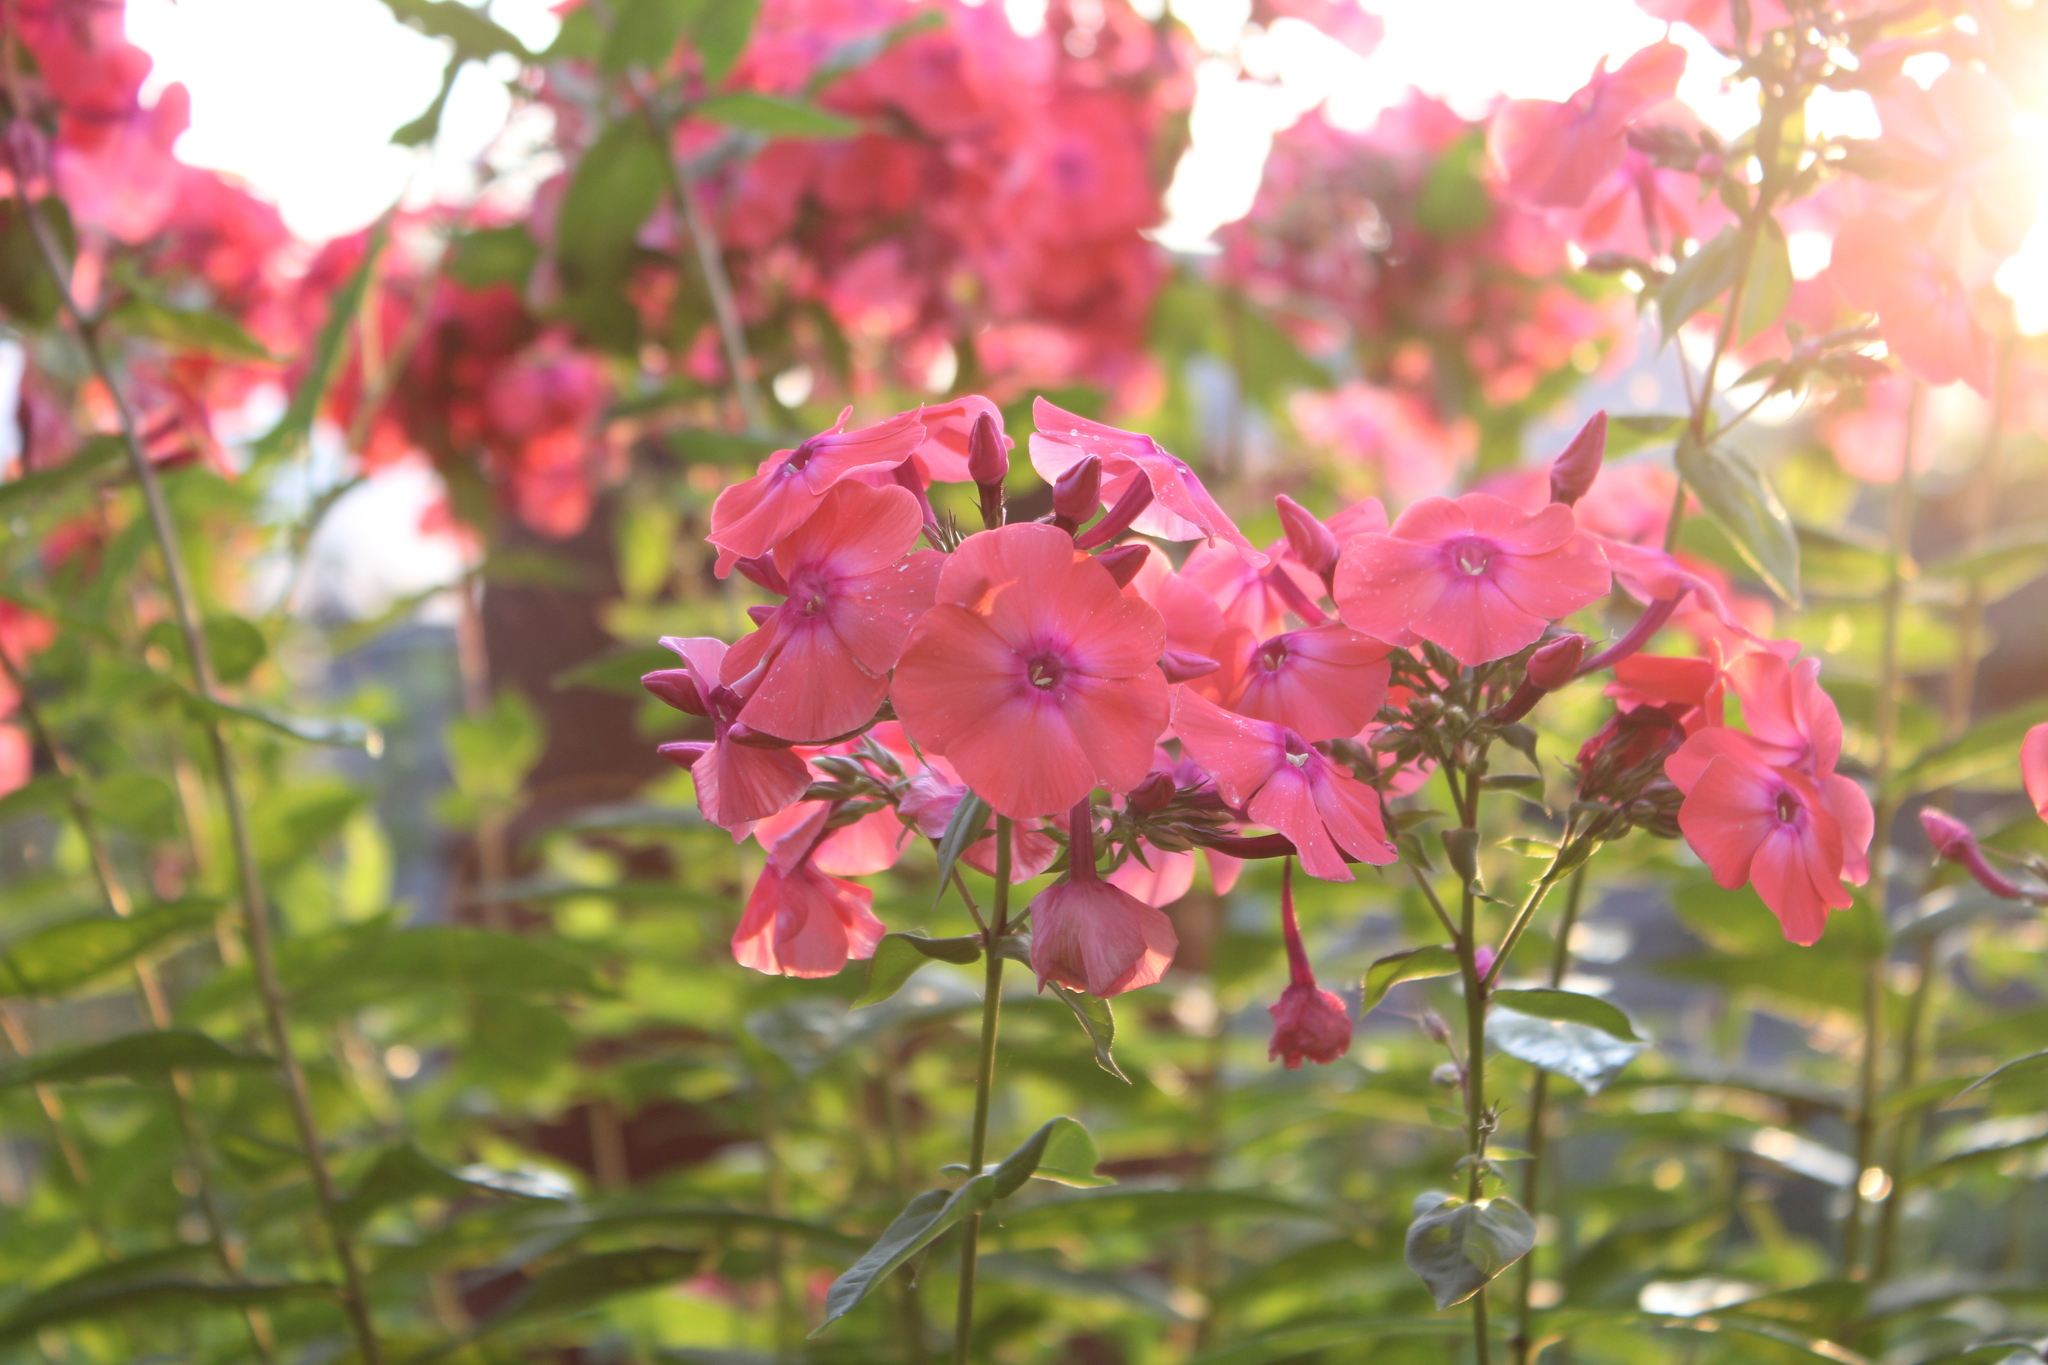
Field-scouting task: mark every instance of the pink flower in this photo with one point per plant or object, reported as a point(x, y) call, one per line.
point(1091, 936)
point(1796, 836)
point(1478, 576)
point(1160, 880)
point(2034, 767)
point(1553, 155)
point(1309, 1023)
point(737, 783)
point(1281, 781)
point(1923, 307)
point(1792, 720)
point(799, 921)
point(1033, 673)
point(749, 519)
point(948, 427)
point(1953, 840)
point(819, 665)
point(1325, 682)
point(1175, 505)
point(1254, 595)
point(931, 797)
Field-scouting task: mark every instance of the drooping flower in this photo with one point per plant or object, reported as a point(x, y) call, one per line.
point(1324, 682)
point(1034, 674)
point(749, 519)
point(1795, 835)
point(1309, 1023)
point(1172, 502)
point(2034, 767)
point(1553, 155)
point(737, 783)
point(1953, 840)
point(820, 662)
point(799, 921)
point(1478, 576)
point(1278, 779)
point(1089, 935)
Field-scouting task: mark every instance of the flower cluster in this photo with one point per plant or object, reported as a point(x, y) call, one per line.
point(1121, 712)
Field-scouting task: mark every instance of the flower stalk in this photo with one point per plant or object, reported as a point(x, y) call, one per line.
point(1539, 1098)
point(984, 1082)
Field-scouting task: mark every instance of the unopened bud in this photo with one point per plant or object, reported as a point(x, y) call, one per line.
point(1557, 663)
point(760, 612)
point(1153, 793)
point(761, 570)
point(1180, 665)
point(987, 461)
point(1078, 492)
point(684, 755)
point(1124, 561)
point(1313, 543)
point(676, 687)
point(1572, 473)
point(1953, 840)
point(1447, 1075)
point(1434, 1027)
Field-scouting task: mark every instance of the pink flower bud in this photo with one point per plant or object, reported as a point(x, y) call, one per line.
point(684, 755)
point(987, 461)
point(1572, 473)
point(1953, 840)
point(1313, 543)
point(1123, 562)
point(1309, 1024)
point(761, 613)
point(761, 570)
point(1153, 793)
point(1179, 666)
point(1078, 492)
point(1483, 960)
point(1556, 663)
point(676, 687)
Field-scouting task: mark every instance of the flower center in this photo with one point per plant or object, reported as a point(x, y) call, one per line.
point(1298, 750)
point(1045, 671)
point(1788, 807)
point(1273, 655)
point(1471, 556)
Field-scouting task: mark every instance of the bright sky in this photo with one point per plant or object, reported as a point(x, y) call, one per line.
point(300, 99)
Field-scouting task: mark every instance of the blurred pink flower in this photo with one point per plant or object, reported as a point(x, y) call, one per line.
point(1553, 155)
point(799, 921)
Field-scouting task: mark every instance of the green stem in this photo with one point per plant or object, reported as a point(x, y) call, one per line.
point(984, 1084)
point(1475, 1072)
point(1539, 1098)
point(1885, 719)
point(255, 912)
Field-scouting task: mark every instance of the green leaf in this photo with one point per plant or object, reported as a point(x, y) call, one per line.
point(34, 796)
point(297, 423)
point(1461, 850)
point(1569, 1007)
point(339, 732)
point(1747, 511)
point(27, 293)
point(380, 962)
point(467, 26)
point(615, 186)
point(970, 817)
point(182, 329)
point(151, 1300)
point(147, 1056)
point(63, 957)
point(45, 484)
point(898, 956)
point(1700, 279)
point(586, 1281)
point(771, 116)
point(489, 754)
point(923, 1221)
point(1454, 199)
point(1626, 435)
point(721, 33)
point(235, 645)
point(1414, 965)
point(488, 256)
point(139, 802)
point(1457, 1247)
point(2023, 1068)
point(1769, 287)
point(1060, 1151)
point(1986, 749)
point(645, 33)
point(424, 129)
point(1588, 1055)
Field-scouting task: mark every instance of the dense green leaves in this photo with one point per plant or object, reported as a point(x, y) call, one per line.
point(65, 956)
point(148, 1056)
point(1742, 504)
point(773, 117)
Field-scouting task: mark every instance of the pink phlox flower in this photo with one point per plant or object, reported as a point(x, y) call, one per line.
point(1180, 508)
point(2034, 768)
point(1696, 687)
point(1034, 673)
point(1790, 717)
point(1309, 1023)
point(1279, 780)
point(749, 519)
point(1953, 841)
point(819, 664)
point(1925, 309)
point(928, 802)
point(1553, 155)
point(1257, 596)
point(869, 845)
point(1089, 935)
point(1195, 624)
point(1865, 429)
point(1160, 880)
point(1795, 836)
point(1324, 682)
point(1952, 144)
point(942, 457)
point(799, 921)
point(1715, 19)
point(1477, 576)
point(737, 784)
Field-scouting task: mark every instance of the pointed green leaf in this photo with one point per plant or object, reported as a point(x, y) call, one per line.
point(62, 957)
point(147, 1056)
point(297, 422)
point(1588, 1055)
point(151, 1300)
point(1769, 287)
point(182, 329)
point(898, 956)
point(644, 33)
point(1628, 434)
point(1748, 512)
point(1547, 1003)
point(1700, 279)
point(923, 1221)
point(586, 1281)
point(769, 116)
point(1098, 1021)
point(720, 34)
point(1457, 1247)
point(1060, 1151)
point(1414, 965)
point(45, 484)
point(970, 817)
